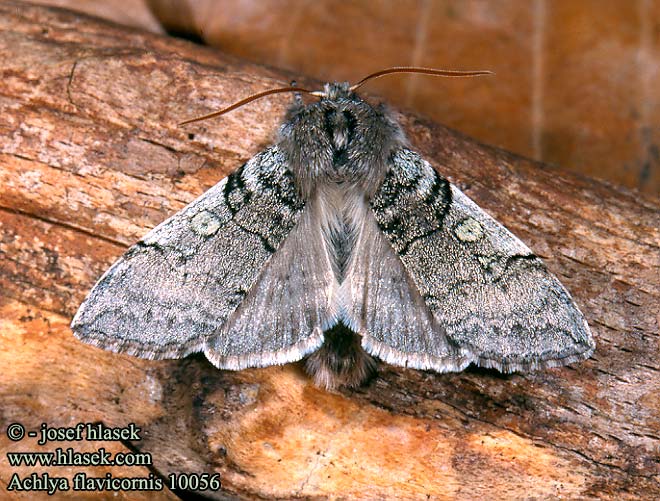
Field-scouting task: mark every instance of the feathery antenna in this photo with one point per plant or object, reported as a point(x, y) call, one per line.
point(247, 100)
point(317, 93)
point(417, 69)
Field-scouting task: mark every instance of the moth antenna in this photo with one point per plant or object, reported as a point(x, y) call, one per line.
point(249, 99)
point(417, 69)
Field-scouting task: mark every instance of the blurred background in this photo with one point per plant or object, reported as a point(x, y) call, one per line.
point(576, 81)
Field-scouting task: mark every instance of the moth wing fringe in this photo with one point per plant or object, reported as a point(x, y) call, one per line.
point(416, 360)
point(289, 354)
point(149, 351)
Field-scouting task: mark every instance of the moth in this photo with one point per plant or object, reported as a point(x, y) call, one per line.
point(338, 244)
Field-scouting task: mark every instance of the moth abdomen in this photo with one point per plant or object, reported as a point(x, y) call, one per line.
point(341, 360)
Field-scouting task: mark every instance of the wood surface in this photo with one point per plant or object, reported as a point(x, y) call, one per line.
point(575, 85)
point(91, 159)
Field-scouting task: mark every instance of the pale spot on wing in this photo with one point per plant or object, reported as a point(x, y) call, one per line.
point(205, 224)
point(469, 230)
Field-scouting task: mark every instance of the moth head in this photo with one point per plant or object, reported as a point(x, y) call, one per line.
point(335, 91)
point(341, 110)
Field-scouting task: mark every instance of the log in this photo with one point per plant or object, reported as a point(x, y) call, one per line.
point(91, 159)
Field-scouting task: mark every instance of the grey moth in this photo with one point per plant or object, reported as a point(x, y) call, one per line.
point(336, 245)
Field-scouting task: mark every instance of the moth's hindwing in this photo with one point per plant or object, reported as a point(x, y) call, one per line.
point(204, 279)
point(488, 299)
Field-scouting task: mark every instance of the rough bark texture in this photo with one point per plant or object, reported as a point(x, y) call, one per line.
point(91, 158)
point(575, 82)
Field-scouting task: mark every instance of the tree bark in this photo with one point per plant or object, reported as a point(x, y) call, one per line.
point(91, 158)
